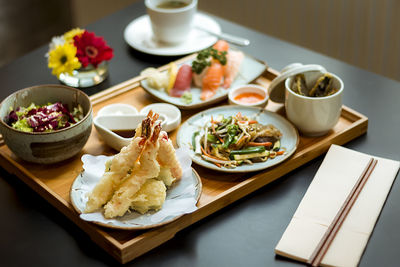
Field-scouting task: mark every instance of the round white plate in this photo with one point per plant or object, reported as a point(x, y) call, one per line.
point(181, 197)
point(138, 34)
point(289, 139)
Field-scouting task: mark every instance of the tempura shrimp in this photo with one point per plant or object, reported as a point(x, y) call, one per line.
point(120, 167)
point(117, 171)
point(167, 158)
point(147, 167)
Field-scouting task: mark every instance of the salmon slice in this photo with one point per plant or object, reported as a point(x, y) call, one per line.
point(221, 45)
point(214, 74)
point(212, 80)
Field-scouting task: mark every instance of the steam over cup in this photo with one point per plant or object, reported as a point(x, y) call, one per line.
point(171, 25)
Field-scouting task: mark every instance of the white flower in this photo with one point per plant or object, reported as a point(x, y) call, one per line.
point(56, 40)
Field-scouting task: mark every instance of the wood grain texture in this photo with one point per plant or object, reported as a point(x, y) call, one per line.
point(53, 182)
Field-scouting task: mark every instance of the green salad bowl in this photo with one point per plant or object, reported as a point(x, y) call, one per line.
point(47, 147)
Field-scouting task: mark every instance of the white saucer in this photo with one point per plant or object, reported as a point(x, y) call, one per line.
point(138, 34)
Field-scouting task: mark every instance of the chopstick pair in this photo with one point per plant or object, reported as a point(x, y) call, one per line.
point(326, 240)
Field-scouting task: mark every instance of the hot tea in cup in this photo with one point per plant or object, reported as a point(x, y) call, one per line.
point(171, 21)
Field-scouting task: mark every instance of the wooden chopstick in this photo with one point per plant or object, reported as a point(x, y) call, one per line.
point(326, 240)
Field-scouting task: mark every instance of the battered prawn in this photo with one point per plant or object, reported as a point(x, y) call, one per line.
point(146, 167)
point(119, 168)
point(171, 169)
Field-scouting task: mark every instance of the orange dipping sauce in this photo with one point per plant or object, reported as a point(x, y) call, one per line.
point(249, 98)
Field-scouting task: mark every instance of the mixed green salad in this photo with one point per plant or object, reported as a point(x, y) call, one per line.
point(235, 140)
point(46, 118)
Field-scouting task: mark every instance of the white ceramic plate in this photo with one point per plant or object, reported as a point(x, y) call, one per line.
point(181, 198)
point(250, 69)
point(138, 35)
point(289, 139)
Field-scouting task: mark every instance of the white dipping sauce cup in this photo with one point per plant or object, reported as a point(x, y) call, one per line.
point(313, 116)
point(171, 25)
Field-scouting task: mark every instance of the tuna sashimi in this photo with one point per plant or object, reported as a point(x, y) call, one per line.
point(183, 81)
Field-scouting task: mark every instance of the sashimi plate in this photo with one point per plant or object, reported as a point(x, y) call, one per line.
point(289, 139)
point(250, 69)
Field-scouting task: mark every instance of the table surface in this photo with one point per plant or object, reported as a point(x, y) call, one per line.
point(244, 233)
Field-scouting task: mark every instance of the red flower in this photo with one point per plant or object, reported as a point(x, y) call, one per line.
point(91, 49)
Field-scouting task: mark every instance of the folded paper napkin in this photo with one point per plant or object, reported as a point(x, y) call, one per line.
point(332, 183)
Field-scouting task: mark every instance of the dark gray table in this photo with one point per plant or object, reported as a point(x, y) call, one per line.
point(243, 234)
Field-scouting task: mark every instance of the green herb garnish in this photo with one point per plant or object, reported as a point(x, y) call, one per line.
point(203, 59)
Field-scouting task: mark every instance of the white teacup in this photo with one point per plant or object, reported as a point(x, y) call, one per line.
point(313, 116)
point(171, 25)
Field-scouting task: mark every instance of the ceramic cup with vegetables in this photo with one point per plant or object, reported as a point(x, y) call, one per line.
point(171, 21)
point(313, 101)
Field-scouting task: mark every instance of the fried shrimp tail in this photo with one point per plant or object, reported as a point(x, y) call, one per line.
point(147, 167)
point(121, 164)
point(167, 157)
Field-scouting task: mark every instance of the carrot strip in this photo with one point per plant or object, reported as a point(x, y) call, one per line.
point(213, 128)
point(217, 164)
point(239, 142)
point(208, 155)
point(249, 122)
point(259, 144)
point(280, 152)
point(213, 131)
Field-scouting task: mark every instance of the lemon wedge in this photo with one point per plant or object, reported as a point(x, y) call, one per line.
point(172, 72)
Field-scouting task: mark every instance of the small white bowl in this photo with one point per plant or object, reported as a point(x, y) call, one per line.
point(117, 109)
point(172, 113)
point(248, 88)
point(106, 123)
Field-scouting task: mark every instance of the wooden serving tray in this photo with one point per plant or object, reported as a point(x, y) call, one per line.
point(53, 182)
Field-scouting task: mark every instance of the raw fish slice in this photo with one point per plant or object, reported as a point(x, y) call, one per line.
point(182, 81)
point(212, 80)
point(214, 74)
point(198, 78)
point(232, 67)
point(221, 45)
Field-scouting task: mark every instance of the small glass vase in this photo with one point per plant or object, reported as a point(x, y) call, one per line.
point(86, 77)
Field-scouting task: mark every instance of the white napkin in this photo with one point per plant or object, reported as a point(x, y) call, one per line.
point(332, 183)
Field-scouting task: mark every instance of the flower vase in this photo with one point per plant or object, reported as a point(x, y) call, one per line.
point(85, 77)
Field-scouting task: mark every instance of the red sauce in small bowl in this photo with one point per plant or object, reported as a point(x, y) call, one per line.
point(249, 98)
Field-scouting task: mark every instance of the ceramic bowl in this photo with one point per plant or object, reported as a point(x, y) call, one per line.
point(47, 147)
point(313, 116)
point(117, 109)
point(248, 88)
point(172, 114)
point(106, 125)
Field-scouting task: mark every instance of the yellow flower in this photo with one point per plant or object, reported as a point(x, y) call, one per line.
point(62, 59)
point(69, 36)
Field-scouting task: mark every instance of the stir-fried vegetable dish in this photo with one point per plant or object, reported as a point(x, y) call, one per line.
point(231, 141)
